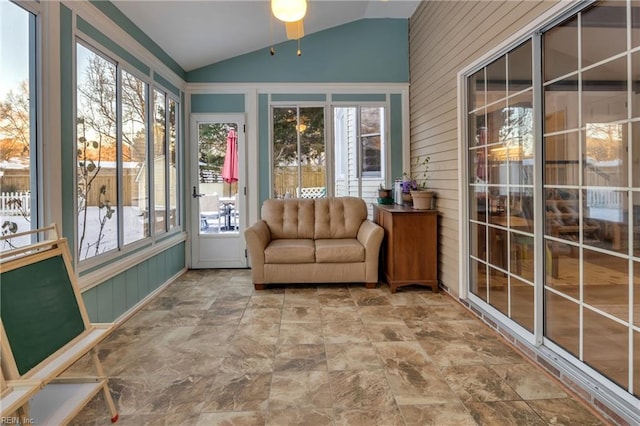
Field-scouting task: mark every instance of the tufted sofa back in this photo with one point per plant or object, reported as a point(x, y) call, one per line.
point(332, 217)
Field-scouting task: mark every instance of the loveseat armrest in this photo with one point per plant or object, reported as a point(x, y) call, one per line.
point(370, 235)
point(257, 237)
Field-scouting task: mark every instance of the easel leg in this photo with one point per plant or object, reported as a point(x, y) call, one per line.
point(23, 415)
point(105, 386)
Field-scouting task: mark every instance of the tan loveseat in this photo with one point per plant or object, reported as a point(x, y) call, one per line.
point(319, 240)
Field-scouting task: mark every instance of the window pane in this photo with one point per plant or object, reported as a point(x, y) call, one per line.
point(159, 162)
point(312, 152)
point(605, 147)
point(560, 50)
point(476, 90)
point(606, 346)
point(560, 105)
point(562, 321)
point(285, 152)
point(603, 31)
point(606, 283)
point(635, 82)
point(561, 158)
point(497, 80)
point(173, 166)
point(522, 303)
point(604, 92)
point(96, 154)
point(371, 135)
point(496, 121)
point(17, 121)
point(520, 68)
point(134, 158)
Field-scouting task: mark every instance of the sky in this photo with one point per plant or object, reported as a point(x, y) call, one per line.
point(14, 46)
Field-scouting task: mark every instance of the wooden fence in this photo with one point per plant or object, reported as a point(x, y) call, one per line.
point(285, 179)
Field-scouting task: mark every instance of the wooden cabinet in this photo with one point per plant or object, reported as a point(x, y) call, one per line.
point(409, 252)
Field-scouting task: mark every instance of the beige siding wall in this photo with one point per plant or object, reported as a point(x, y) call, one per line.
point(445, 37)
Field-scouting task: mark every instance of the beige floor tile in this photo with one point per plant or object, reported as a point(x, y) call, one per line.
point(210, 350)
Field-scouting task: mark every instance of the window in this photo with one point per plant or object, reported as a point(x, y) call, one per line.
point(18, 126)
point(359, 135)
point(299, 157)
point(117, 203)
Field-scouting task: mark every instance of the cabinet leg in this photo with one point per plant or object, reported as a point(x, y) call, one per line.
point(259, 286)
point(370, 285)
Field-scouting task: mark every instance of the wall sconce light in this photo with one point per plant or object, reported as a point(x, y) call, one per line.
point(289, 10)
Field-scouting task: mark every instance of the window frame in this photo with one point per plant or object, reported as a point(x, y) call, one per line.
point(327, 150)
point(153, 238)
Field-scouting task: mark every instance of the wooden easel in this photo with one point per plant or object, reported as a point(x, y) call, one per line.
point(44, 330)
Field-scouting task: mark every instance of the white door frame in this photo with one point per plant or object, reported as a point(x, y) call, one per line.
point(224, 250)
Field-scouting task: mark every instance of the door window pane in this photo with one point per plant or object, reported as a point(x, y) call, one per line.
point(604, 92)
point(520, 68)
point(601, 35)
point(560, 50)
point(477, 90)
point(218, 177)
point(562, 159)
point(606, 347)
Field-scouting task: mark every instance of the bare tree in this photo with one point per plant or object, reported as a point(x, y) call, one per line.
point(15, 119)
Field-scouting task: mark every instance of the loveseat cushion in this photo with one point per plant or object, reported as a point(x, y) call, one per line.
point(343, 250)
point(290, 251)
point(291, 218)
point(339, 217)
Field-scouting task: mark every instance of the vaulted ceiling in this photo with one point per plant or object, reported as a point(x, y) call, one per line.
point(203, 32)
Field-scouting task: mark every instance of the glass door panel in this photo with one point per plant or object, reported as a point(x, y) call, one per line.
point(218, 191)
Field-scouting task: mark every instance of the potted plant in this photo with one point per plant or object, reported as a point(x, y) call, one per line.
point(421, 196)
point(384, 195)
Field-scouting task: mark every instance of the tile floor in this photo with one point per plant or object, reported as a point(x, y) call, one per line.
point(209, 350)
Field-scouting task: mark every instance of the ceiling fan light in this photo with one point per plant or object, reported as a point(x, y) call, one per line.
point(289, 10)
point(295, 30)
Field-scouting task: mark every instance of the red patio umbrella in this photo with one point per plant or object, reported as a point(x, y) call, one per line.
point(230, 166)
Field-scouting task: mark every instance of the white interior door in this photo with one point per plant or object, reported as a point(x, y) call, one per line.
point(218, 191)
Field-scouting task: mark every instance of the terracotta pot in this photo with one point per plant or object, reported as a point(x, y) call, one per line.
point(422, 199)
point(384, 193)
point(406, 199)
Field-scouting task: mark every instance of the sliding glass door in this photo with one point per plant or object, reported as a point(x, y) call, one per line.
point(563, 107)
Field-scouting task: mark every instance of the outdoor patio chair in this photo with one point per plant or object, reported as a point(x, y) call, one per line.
point(209, 210)
point(312, 192)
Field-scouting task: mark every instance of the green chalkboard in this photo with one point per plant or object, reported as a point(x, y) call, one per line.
point(39, 310)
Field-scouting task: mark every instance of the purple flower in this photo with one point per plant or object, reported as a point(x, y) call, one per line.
point(409, 185)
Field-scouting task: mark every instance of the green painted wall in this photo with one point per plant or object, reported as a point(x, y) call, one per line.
point(112, 298)
point(369, 50)
point(218, 103)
